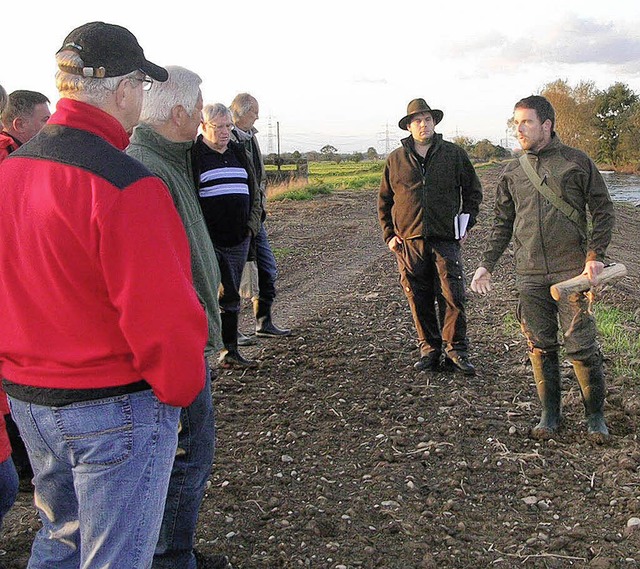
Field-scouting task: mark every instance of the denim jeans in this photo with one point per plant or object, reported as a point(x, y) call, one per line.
point(267, 269)
point(231, 261)
point(8, 487)
point(101, 472)
point(191, 470)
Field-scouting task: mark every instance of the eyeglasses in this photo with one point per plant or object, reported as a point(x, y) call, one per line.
point(218, 127)
point(145, 80)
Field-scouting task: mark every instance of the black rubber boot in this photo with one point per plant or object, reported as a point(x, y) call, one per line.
point(230, 357)
point(591, 380)
point(546, 372)
point(264, 322)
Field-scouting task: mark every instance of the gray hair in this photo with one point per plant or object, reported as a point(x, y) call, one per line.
point(181, 88)
point(87, 89)
point(241, 105)
point(210, 112)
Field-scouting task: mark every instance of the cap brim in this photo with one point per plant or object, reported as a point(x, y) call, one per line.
point(154, 71)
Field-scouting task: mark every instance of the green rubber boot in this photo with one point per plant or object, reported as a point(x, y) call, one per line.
point(546, 372)
point(591, 380)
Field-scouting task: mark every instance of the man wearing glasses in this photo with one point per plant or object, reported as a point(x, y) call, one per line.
point(163, 141)
point(230, 200)
point(96, 374)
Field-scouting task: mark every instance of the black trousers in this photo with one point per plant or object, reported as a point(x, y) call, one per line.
point(432, 278)
point(18, 450)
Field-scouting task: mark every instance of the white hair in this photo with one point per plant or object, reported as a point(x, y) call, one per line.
point(91, 90)
point(210, 112)
point(181, 88)
point(241, 105)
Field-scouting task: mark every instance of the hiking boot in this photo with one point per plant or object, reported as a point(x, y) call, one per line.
point(428, 362)
point(459, 363)
point(234, 359)
point(211, 561)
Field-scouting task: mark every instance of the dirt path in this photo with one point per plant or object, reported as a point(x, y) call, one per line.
point(326, 244)
point(335, 454)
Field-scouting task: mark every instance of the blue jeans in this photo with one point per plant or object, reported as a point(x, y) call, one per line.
point(191, 470)
point(101, 472)
point(8, 486)
point(267, 268)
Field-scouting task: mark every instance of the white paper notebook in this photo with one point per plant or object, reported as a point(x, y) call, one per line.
point(460, 223)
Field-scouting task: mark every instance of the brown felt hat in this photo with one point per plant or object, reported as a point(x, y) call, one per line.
point(419, 106)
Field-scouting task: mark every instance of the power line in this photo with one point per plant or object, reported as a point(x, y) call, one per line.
point(270, 136)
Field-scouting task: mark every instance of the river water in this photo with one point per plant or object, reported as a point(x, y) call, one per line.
point(623, 187)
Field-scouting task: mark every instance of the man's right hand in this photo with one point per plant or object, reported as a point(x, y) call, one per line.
point(481, 282)
point(395, 243)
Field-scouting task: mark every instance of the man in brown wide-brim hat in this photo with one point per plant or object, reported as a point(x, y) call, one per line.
point(429, 196)
point(419, 106)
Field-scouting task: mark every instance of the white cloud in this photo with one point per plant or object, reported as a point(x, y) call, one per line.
point(569, 41)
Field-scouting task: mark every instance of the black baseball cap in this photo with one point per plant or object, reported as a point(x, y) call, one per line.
point(108, 50)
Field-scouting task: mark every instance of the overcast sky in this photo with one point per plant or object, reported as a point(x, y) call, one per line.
point(341, 72)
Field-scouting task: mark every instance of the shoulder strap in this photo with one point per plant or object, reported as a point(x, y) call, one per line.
point(548, 193)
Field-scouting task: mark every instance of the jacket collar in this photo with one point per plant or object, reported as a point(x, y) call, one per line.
point(144, 135)
point(243, 135)
point(409, 143)
point(553, 145)
point(8, 142)
point(10, 139)
point(83, 116)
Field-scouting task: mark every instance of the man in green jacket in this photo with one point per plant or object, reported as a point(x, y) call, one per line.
point(550, 247)
point(163, 141)
point(428, 186)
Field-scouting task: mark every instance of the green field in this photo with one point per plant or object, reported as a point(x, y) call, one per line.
point(325, 177)
point(351, 175)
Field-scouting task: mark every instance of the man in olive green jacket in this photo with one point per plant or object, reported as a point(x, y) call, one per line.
point(550, 247)
point(163, 141)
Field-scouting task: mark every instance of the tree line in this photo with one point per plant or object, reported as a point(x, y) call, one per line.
point(603, 123)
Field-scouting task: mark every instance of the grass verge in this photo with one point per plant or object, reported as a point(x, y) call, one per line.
point(620, 337)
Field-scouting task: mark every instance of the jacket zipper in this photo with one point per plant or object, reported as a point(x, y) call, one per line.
point(540, 229)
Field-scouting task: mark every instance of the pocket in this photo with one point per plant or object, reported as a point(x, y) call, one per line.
point(97, 432)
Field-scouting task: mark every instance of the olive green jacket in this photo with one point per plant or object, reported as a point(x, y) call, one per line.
point(545, 240)
point(171, 161)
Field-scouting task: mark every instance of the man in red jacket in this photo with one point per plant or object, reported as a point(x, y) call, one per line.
point(95, 372)
point(8, 474)
point(25, 113)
